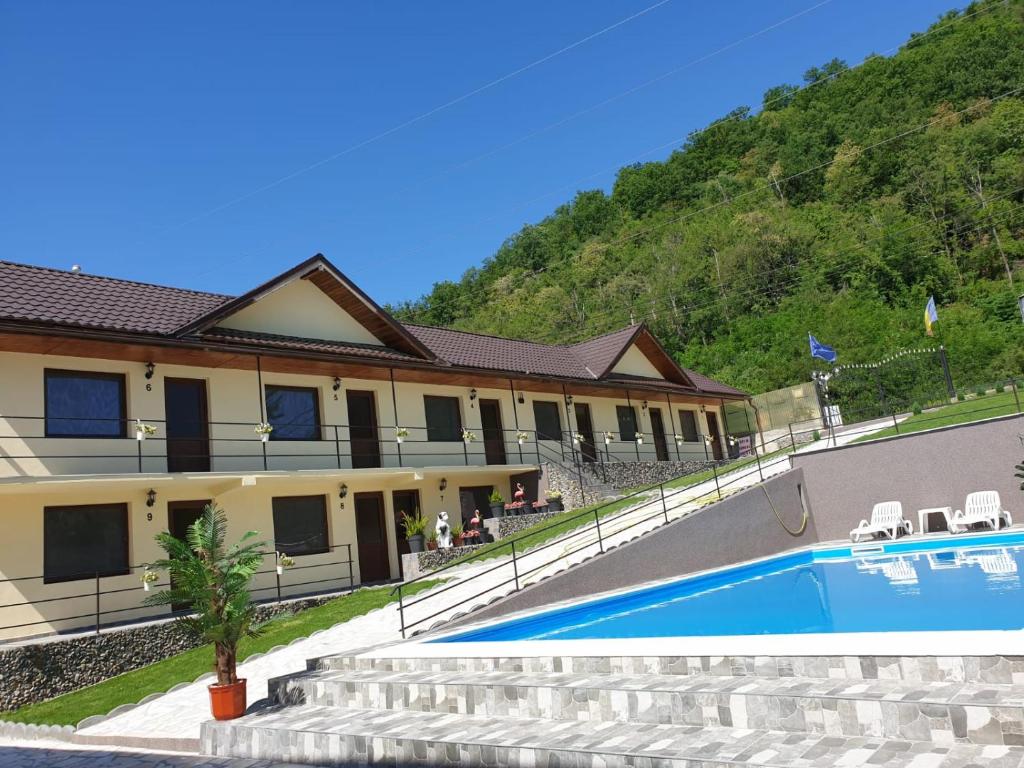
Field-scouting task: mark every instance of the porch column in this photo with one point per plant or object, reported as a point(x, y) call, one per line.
point(515, 416)
point(629, 402)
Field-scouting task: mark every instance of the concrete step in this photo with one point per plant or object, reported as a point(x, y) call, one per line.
point(337, 736)
point(941, 712)
point(998, 670)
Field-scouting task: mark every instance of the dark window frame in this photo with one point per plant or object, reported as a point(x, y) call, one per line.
point(620, 411)
point(318, 425)
point(67, 373)
point(541, 433)
point(431, 431)
point(326, 525)
point(696, 425)
point(122, 509)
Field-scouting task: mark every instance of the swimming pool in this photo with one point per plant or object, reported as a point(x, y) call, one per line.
point(965, 583)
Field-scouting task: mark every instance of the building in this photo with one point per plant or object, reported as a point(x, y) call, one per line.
point(126, 407)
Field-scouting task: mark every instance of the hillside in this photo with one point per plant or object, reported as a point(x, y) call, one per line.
point(837, 206)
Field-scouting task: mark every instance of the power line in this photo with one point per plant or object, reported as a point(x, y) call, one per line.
point(770, 102)
point(414, 120)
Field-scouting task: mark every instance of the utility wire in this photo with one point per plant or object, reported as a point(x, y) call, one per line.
point(414, 120)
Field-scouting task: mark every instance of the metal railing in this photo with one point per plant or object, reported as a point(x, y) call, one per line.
point(311, 580)
point(662, 496)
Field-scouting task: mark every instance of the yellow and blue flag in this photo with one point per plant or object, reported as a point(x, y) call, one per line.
point(930, 316)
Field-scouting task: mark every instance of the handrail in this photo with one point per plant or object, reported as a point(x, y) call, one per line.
point(732, 477)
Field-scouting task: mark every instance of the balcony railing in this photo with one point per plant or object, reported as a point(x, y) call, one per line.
point(40, 446)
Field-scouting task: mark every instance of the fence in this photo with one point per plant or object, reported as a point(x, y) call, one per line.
point(92, 601)
point(517, 564)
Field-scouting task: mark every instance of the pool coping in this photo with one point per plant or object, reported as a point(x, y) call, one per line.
point(930, 643)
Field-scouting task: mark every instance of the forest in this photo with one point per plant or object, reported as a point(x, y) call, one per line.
point(836, 206)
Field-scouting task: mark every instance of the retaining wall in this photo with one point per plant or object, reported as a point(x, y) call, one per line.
point(937, 468)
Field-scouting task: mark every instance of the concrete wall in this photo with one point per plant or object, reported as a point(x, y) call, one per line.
point(928, 469)
point(741, 527)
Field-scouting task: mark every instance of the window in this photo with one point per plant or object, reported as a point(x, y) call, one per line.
point(79, 542)
point(300, 524)
point(688, 423)
point(293, 412)
point(549, 425)
point(84, 404)
point(444, 424)
point(627, 422)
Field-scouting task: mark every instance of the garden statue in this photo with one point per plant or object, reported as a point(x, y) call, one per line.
point(443, 530)
point(520, 493)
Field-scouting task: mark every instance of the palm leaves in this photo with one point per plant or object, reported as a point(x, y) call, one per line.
point(213, 580)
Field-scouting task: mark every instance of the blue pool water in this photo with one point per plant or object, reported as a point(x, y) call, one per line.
point(947, 584)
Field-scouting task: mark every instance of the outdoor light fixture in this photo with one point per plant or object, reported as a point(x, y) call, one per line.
point(149, 370)
point(644, 406)
point(568, 399)
point(472, 397)
point(342, 491)
point(337, 384)
point(522, 399)
point(150, 497)
point(443, 484)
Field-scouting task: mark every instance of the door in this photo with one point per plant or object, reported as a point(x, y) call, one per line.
point(362, 429)
point(585, 427)
point(716, 443)
point(407, 502)
point(180, 515)
point(188, 436)
point(494, 435)
point(372, 538)
point(474, 499)
point(658, 428)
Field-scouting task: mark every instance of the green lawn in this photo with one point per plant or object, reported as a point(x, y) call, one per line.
point(975, 409)
point(99, 699)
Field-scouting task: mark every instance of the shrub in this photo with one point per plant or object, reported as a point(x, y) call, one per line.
point(817, 435)
point(980, 392)
point(916, 409)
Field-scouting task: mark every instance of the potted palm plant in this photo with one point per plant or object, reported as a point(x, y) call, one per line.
point(432, 541)
point(457, 531)
point(415, 525)
point(213, 580)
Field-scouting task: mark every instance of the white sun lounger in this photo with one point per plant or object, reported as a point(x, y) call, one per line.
point(981, 507)
point(886, 517)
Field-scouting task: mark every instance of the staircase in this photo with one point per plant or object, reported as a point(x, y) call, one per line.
point(703, 712)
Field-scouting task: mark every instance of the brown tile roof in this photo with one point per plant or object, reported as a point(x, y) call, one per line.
point(53, 297)
point(57, 297)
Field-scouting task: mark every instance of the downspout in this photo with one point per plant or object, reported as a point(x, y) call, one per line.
point(672, 423)
point(515, 416)
point(394, 408)
point(636, 424)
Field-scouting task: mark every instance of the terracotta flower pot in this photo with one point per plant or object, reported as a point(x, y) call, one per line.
point(227, 701)
point(431, 546)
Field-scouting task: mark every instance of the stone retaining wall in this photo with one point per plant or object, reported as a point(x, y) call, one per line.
point(46, 668)
point(632, 474)
point(508, 526)
point(561, 479)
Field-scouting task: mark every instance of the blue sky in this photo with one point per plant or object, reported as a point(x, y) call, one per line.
point(140, 139)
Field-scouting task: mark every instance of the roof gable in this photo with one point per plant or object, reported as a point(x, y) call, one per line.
point(311, 300)
point(633, 362)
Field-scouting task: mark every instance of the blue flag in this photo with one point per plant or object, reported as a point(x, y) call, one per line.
point(822, 351)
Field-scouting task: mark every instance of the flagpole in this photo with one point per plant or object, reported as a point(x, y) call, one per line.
point(944, 360)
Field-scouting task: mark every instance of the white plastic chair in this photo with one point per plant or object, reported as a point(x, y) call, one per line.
point(981, 507)
point(886, 517)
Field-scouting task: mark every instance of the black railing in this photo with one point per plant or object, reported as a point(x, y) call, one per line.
point(309, 578)
point(667, 493)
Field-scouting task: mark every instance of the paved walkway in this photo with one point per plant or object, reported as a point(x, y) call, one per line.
point(42, 754)
point(173, 720)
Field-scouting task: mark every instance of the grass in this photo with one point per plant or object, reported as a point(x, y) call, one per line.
point(99, 699)
point(975, 409)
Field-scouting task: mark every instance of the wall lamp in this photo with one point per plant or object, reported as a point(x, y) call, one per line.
point(150, 367)
point(337, 384)
point(443, 485)
point(342, 491)
point(568, 399)
point(472, 397)
point(150, 497)
point(644, 405)
point(522, 400)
